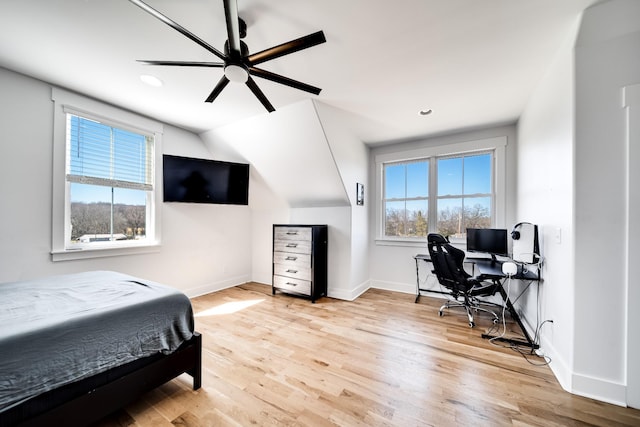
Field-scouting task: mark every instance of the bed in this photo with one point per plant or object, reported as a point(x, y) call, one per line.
point(74, 348)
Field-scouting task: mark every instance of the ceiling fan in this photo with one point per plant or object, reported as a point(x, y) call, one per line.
point(239, 65)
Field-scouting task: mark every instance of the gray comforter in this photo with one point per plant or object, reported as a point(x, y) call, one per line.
point(60, 329)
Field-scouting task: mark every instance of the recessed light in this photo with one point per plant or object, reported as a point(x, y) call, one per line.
point(151, 80)
point(426, 112)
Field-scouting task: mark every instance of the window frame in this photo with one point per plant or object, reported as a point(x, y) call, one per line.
point(497, 145)
point(67, 102)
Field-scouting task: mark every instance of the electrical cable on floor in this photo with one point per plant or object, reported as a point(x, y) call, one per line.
point(526, 351)
point(526, 355)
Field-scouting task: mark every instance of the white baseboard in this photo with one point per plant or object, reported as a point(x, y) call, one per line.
point(582, 385)
point(217, 286)
point(405, 288)
point(558, 365)
point(349, 294)
point(599, 389)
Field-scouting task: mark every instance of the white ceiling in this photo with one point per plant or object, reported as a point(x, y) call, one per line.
point(473, 62)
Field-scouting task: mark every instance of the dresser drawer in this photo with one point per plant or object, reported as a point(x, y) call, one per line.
point(298, 247)
point(294, 285)
point(292, 259)
point(292, 271)
point(293, 233)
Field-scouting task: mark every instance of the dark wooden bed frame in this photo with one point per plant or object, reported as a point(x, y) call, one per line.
point(86, 401)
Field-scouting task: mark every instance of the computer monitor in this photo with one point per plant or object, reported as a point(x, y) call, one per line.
point(491, 241)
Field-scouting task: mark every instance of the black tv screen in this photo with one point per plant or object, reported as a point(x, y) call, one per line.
point(190, 180)
point(488, 240)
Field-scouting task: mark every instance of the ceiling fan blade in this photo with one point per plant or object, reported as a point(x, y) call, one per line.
point(233, 27)
point(224, 81)
point(142, 5)
point(258, 72)
point(183, 63)
point(287, 48)
point(258, 93)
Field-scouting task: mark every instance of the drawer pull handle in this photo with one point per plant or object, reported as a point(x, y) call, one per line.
point(292, 233)
point(292, 245)
point(292, 271)
point(291, 258)
point(292, 284)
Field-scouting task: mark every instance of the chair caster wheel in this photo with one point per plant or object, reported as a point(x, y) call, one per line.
point(472, 324)
point(440, 314)
point(495, 321)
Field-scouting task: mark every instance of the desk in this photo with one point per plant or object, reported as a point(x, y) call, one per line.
point(491, 270)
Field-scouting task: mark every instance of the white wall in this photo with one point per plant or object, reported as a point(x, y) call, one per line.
point(632, 106)
point(574, 129)
point(308, 164)
point(204, 247)
point(392, 266)
point(352, 158)
point(607, 58)
point(339, 242)
point(289, 149)
point(545, 197)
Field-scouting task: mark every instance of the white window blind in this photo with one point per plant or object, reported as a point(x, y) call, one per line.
point(105, 155)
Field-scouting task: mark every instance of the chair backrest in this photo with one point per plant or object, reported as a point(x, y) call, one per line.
point(448, 263)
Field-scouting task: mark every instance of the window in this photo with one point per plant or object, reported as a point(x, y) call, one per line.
point(465, 195)
point(406, 199)
point(105, 180)
point(440, 192)
point(110, 177)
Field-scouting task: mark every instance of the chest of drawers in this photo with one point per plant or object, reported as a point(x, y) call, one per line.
point(300, 260)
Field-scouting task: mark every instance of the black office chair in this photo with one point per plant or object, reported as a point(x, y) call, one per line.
point(448, 266)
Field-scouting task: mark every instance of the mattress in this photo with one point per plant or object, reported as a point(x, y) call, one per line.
point(60, 329)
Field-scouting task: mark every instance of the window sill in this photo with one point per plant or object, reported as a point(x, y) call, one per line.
point(402, 242)
point(87, 253)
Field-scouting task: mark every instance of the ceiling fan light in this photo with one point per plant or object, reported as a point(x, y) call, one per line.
point(236, 73)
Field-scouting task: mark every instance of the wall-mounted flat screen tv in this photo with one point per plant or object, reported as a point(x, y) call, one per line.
point(190, 180)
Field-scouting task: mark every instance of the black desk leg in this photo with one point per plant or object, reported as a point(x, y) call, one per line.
point(417, 282)
point(514, 314)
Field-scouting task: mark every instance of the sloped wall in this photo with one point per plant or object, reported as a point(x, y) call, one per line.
point(352, 159)
point(306, 164)
point(289, 150)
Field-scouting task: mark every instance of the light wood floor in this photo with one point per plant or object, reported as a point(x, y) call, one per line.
point(378, 361)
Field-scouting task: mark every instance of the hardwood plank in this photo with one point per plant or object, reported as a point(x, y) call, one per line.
point(378, 361)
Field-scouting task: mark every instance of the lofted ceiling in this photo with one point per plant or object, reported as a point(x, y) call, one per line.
point(473, 63)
